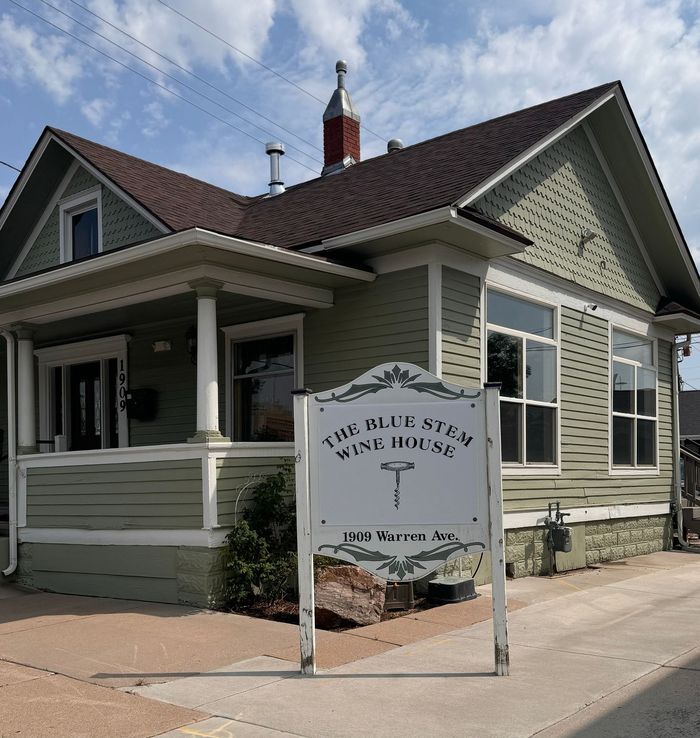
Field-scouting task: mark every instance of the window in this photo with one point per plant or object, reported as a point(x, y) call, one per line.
point(81, 225)
point(263, 367)
point(82, 394)
point(522, 354)
point(633, 390)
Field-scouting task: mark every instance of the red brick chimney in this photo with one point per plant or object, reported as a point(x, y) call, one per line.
point(341, 128)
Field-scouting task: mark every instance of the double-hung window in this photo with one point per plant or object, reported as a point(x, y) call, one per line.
point(263, 367)
point(81, 225)
point(523, 355)
point(633, 389)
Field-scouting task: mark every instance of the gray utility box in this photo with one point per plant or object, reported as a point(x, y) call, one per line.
point(445, 590)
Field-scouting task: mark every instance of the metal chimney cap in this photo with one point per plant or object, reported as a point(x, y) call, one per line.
point(274, 147)
point(395, 144)
point(341, 66)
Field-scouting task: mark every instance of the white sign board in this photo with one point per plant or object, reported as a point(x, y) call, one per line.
point(398, 473)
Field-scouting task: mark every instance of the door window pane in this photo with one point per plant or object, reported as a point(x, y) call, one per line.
point(646, 392)
point(540, 431)
point(264, 355)
point(84, 226)
point(505, 361)
point(646, 442)
point(623, 438)
point(623, 387)
point(634, 348)
point(541, 372)
point(511, 432)
point(520, 315)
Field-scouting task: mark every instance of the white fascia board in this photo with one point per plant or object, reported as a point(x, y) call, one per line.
point(413, 222)
point(505, 171)
point(28, 169)
point(658, 188)
point(172, 242)
point(112, 186)
point(623, 205)
point(534, 518)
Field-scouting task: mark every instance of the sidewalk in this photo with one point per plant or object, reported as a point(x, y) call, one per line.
point(608, 652)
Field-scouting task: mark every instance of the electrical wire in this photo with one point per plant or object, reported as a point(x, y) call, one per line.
point(154, 82)
point(173, 78)
point(194, 75)
point(256, 61)
point(9, 166)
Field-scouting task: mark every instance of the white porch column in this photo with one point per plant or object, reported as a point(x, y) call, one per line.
point(207, 363)
point(26, 403)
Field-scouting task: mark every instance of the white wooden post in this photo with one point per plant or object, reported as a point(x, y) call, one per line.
point(307, 619)
point(496, 533)
point(207, 362)
point(26, 418)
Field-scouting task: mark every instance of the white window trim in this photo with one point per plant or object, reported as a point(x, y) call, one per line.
point(632, 471)
point(99, 349)
point(517, 470)
point(73, 205)
point(283, 325)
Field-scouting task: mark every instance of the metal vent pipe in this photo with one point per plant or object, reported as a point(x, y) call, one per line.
point(275, 149)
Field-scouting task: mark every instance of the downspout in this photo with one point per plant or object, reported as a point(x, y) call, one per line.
point(677, 450)
point(11, 452)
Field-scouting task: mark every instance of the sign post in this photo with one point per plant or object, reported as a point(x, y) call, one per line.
point(398, 472)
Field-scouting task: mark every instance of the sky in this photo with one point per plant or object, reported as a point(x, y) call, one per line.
point(416, 69)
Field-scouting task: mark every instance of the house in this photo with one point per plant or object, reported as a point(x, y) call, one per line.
point(155, 324)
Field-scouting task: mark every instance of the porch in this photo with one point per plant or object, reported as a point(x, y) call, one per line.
point(144, 415)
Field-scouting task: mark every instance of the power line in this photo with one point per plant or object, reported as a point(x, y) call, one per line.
point(172, 77)
point(257, 61)
point(192, 74)
point(153, 82)
point(9, 166)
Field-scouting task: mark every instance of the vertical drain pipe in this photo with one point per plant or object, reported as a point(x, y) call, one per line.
point(676, 446)
point(11, 452)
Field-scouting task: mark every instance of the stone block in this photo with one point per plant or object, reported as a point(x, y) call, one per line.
point(631, 550)
point(521, 536)
point(644, 548)
point(597, 541)
point(623, 537)
point(515, 554)
point(609, 539)
point(617, 552)
point(637, 535)
point(592, 557)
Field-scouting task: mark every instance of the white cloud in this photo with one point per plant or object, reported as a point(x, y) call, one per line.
point(96, 109)
point(29, 57)
point(155, 119)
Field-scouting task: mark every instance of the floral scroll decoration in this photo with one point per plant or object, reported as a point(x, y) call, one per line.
point(402, 565)
point(398, 378)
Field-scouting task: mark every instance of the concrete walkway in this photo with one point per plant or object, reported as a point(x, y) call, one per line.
point(613, 651)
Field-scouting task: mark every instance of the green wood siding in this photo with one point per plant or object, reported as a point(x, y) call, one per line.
point(235, 480)
point(174, 377)
point(461, 326)
point(158, 494)
point(369, 324)
point(551, 199)
point(585, 479)
point(121, 225)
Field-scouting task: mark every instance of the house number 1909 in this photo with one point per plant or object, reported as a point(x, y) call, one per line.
point(121, 381)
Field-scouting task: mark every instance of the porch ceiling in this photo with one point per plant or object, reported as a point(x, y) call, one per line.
point(164, 268)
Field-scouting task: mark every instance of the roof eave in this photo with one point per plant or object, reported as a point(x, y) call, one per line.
point(445, 224)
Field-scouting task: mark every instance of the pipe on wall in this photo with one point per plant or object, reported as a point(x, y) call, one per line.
point(11, 452)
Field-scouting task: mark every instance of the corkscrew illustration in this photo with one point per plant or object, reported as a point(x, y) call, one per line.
point(397, 467)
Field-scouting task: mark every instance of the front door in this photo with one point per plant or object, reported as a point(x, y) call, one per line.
point(85, 406)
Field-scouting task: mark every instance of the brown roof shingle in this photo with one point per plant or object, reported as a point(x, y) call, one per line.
point(419, 178)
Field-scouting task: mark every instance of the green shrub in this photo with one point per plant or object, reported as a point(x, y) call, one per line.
point(260, 554)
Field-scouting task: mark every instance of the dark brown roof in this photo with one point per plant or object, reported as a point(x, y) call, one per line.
point(177, 200)
point(419, 178)
point(671, 307)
